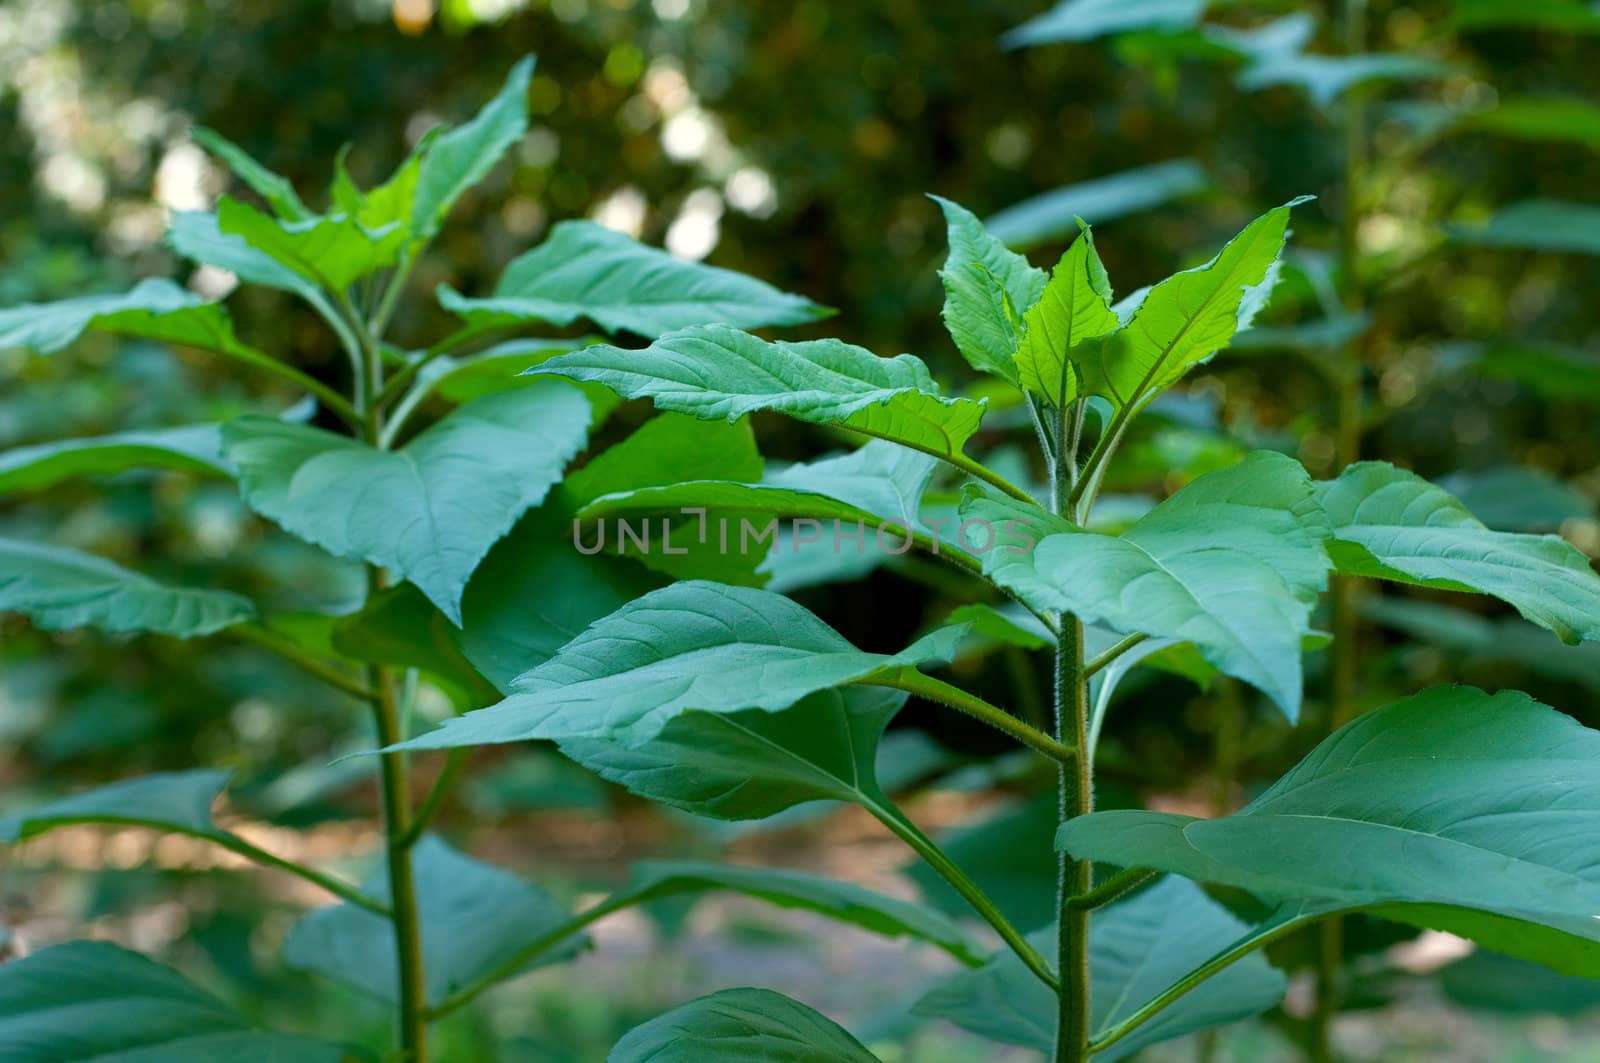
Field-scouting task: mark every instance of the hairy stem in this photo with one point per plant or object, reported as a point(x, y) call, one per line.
point(1117, 649)
point(270, 640)
point(1075, 877)
point(1117, 886)
point(909, 679)
point(948, 870)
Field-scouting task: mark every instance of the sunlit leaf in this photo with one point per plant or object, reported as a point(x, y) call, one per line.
point(459, 158)
point(1082, 20)
point(332, 251)
point(1074, 310)
point(985, 287)
point(274, 188)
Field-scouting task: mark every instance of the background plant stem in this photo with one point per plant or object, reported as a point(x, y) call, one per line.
point(1343, 654)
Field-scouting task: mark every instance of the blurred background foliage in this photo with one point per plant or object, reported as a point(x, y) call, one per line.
point(793, 140)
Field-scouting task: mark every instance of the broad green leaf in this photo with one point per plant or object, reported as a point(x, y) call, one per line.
point(1567, 16)
point(1138, 948)
point(714, 371)
point(474, 917)
point(535, 591)
point(58, 587)
point(1232, 563)
point(497, 368)
point(754, 763)
point(1054, 214)
point(1083, 20)
point(400, 627)
point(196, 235)
point(691, 645)
point(585, 270)
point(1538, 225)
point(1453, 809)
point(1512, 498)
point(1490, 982)
point(1187, 318)
point(738, 1026)
point(390, 203)
point(177, 801)
point(429, 511)
point(193, 448)
point(842, 901)
point(1561, 119)
point(985, 287)
point(461, 157)
point(91, 1000)
point(1075, 309)
point(1276, 56)
point(1389, 523)
point(153, 309)
point(332, 251)
point(274, 188)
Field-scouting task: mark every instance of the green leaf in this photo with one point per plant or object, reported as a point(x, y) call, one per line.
point(59, 588)
point(1007, 852)
point(429, 511)
point(401, 628)
point(1558, 119)
point(1506, 640)
point(332, 251)
point(193, 448)
point(1187, 318)
point(1389, 523)
point(93, 1000)
point(1568, 16)
point(842, 901)
point(1453, 809)
point(1561, 374)
point(1511, 498)
point(1084, 20)
point(1054, 214)
point(197, 236)
point(1276, 56)
point(1232, 563)
point(474, 918)
point(737, 1026)
point(390, 203)
point(1075, 309)
point(152, 309)
point(585, 270)
point(274, 188)
point(1538, 225)
point(691, 645)
point(171, 801)
point(754, 763)
point(985, 286)
point(497, 368)
point(714, 371)
point(460, 158)
point(1138, 948)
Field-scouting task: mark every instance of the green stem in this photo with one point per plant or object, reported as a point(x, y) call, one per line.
point(406, 918)
point(948, 870)
point(1113, 888)
point(1074, 877)
point(338, 887)
point(268, 639)
point(915, 682)
point(980, 471)
point(379, 322)
point(1123, 645)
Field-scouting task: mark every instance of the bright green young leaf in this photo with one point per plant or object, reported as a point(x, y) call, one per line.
point(274, 188)
point(842, 901)
point(331, 252)
point(197, 236)
point(474, 918)
point(91, 1000)
point(691, 645)
point(193, 448)
point(753, 764)
point(1558, 119)
point(1054, 214)
point(585, 270)
point(1074, 309)
point(58, 588)
point(1453, 809)
point(985, 287)
point(429, 511)
point(1187, 318)
point(714, 371)
point(1138, 948)
point(1538, 225)
point(1389, 523)
point(1232, 563)
point(153, 309)
point(738, 1026)
point(459, 158)
point(1083, 20)
point(536, 591)
point(390, 203)
point(171, 801)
